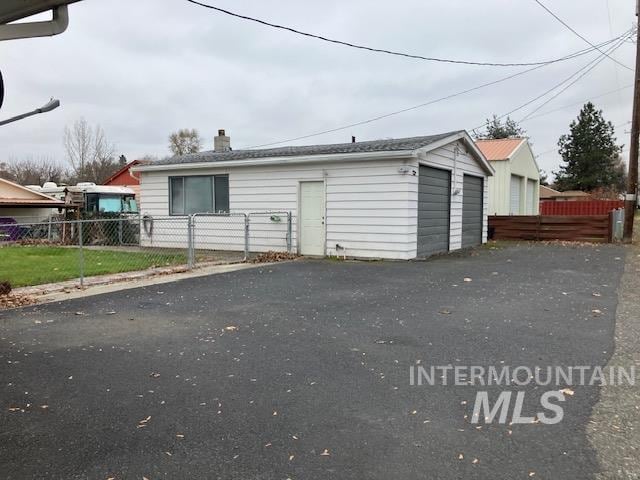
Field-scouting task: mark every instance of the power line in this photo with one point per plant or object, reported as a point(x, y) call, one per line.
point(421, 105)
point(576, 103)
point(578, 34)
point(570, 84)
point(382, 50)
point(578, 74)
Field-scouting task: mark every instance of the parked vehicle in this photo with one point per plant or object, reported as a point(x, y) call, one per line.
point(91, 198)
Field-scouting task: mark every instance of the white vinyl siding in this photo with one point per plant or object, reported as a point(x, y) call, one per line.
point(371, 207)
point(367, 206)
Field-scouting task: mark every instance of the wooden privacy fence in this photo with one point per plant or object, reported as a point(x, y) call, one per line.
point(591, 207)
point(585, 228)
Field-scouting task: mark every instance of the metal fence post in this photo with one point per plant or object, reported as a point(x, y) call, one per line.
point(190, 252)
point(289, 232)
point(81, 254)
point(246, 237)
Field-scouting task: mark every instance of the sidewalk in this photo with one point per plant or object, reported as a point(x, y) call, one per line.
point(614, 429)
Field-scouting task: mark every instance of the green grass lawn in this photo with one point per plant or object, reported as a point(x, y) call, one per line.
point(24, 265)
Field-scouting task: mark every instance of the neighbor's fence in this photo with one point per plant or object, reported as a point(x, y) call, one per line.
point(76, 249)
point(591, 207)
point(586, 228)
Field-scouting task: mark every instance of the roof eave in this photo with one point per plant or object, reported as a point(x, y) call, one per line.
point(471, 145)
point(304, 159)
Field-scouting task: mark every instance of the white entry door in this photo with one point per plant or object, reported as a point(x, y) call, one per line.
point(311, 218)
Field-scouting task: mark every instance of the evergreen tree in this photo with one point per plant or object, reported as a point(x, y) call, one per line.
point(590, 154)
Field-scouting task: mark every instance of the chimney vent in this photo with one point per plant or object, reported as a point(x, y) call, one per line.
point(221, 143)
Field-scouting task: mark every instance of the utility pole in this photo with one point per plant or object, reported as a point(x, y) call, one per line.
point(632, 186)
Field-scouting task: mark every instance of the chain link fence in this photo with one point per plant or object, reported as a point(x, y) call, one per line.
point(56, 250)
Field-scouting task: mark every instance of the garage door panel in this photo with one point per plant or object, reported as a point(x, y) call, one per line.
point(433, 194)
point(471, 188)
point(426, 207)
point(434, 230)
point(436, 181)
point(472, 211)
point(514, 195)
point(434, 190)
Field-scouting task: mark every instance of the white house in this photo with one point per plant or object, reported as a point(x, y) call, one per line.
point(515, 187)
point(396, 199)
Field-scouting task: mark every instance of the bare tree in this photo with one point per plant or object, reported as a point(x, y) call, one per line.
point(34, 171)
point(88, 150)
point(185, 141)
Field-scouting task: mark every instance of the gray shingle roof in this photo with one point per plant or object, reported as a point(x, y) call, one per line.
point(398, 144)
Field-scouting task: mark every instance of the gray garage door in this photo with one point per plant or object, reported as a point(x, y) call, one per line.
point(434, 194)
point(472, 193)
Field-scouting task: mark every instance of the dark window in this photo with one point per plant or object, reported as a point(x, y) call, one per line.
point(91, 202)
point(198, 194)
point(222, 193)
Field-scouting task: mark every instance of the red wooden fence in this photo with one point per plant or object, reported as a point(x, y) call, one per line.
point(590, 207)
point(587, 228)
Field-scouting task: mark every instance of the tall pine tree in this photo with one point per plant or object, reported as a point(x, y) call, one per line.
point(590, 154)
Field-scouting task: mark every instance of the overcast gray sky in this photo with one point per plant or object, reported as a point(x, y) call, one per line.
point(146, 68)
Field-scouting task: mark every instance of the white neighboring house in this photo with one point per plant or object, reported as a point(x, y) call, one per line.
point(515, 187)
point(395, 199)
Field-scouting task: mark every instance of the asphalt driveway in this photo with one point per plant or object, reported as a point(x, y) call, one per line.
point(301, 370)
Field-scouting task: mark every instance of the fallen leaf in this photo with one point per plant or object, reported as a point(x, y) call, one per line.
point(325, 453)
point(475, 461)
point(460, 457)
point(291, 457)
point(532, 474)
point(567, 391)
point(231, 328)
point(145, 420)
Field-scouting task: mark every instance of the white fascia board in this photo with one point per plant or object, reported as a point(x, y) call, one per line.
point(470, 144)
point(310, 159)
